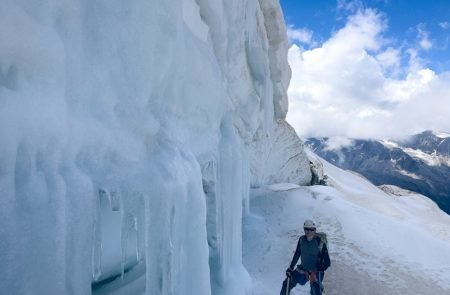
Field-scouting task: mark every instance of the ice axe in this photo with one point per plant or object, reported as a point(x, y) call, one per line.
point(287, 285)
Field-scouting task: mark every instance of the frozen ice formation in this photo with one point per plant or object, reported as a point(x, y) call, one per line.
point(130, 134)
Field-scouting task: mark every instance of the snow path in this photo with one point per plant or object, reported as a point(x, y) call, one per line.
point(271, 233)
point(379, 244)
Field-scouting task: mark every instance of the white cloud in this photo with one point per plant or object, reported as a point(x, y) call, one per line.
point(351, 86)
point(352, 6)
point(389, 59)
point(445, 25)
point(424, 41)
point(337, 143)
point(415, 61)
point(301, 35)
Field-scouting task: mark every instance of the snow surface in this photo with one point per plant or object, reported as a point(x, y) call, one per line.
point(429, 159)
point(409, 174)
point(395, 190)
point(442, 134)
point(378, 243)
point(130, 134)
point(389, 143)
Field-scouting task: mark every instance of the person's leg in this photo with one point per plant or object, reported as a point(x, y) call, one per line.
point(301, 276)
point(292, 284)
point(296, 278)
point(283, 287)
point(321, 275)
point(316, 285)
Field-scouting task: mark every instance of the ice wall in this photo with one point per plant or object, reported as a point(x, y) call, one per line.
point(130, 133)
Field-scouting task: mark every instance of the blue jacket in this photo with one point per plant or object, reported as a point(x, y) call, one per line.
point(323, 259)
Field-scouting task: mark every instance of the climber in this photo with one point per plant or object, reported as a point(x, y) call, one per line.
point(312, 249)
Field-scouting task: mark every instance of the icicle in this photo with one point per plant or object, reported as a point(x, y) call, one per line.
point(123, 237)
point(140, 230)
point(114, 201)
point(97, 250)
point(209, 181)
point(245, 181)
point(135, 229)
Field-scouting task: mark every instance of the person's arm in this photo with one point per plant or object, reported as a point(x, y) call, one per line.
point(324, 259)
point(297, 254)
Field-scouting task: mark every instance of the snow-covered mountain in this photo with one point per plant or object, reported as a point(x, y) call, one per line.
point(420, 164)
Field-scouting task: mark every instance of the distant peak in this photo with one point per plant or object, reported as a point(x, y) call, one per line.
point(442, 135)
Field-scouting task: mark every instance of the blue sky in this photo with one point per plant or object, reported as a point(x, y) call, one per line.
point(404, 18)
point(358, 65)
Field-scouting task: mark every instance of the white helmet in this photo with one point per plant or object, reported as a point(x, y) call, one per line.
point(309, 224)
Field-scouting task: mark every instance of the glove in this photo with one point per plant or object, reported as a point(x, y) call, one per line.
point(289, 272)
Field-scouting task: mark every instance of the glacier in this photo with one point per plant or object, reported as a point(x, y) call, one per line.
point(131, 133)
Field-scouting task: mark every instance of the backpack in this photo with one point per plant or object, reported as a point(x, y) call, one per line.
point(323, 240)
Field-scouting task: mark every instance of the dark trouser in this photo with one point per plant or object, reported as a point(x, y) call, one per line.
point(300, 277)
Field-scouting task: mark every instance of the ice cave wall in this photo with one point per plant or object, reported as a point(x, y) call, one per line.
point(125, 127)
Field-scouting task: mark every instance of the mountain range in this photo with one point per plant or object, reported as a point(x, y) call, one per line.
point(420, 164)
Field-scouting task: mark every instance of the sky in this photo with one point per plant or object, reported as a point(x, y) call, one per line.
point(368, 69)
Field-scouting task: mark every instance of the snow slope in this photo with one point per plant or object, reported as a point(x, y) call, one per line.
point(378, 243)
point(419, 164)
